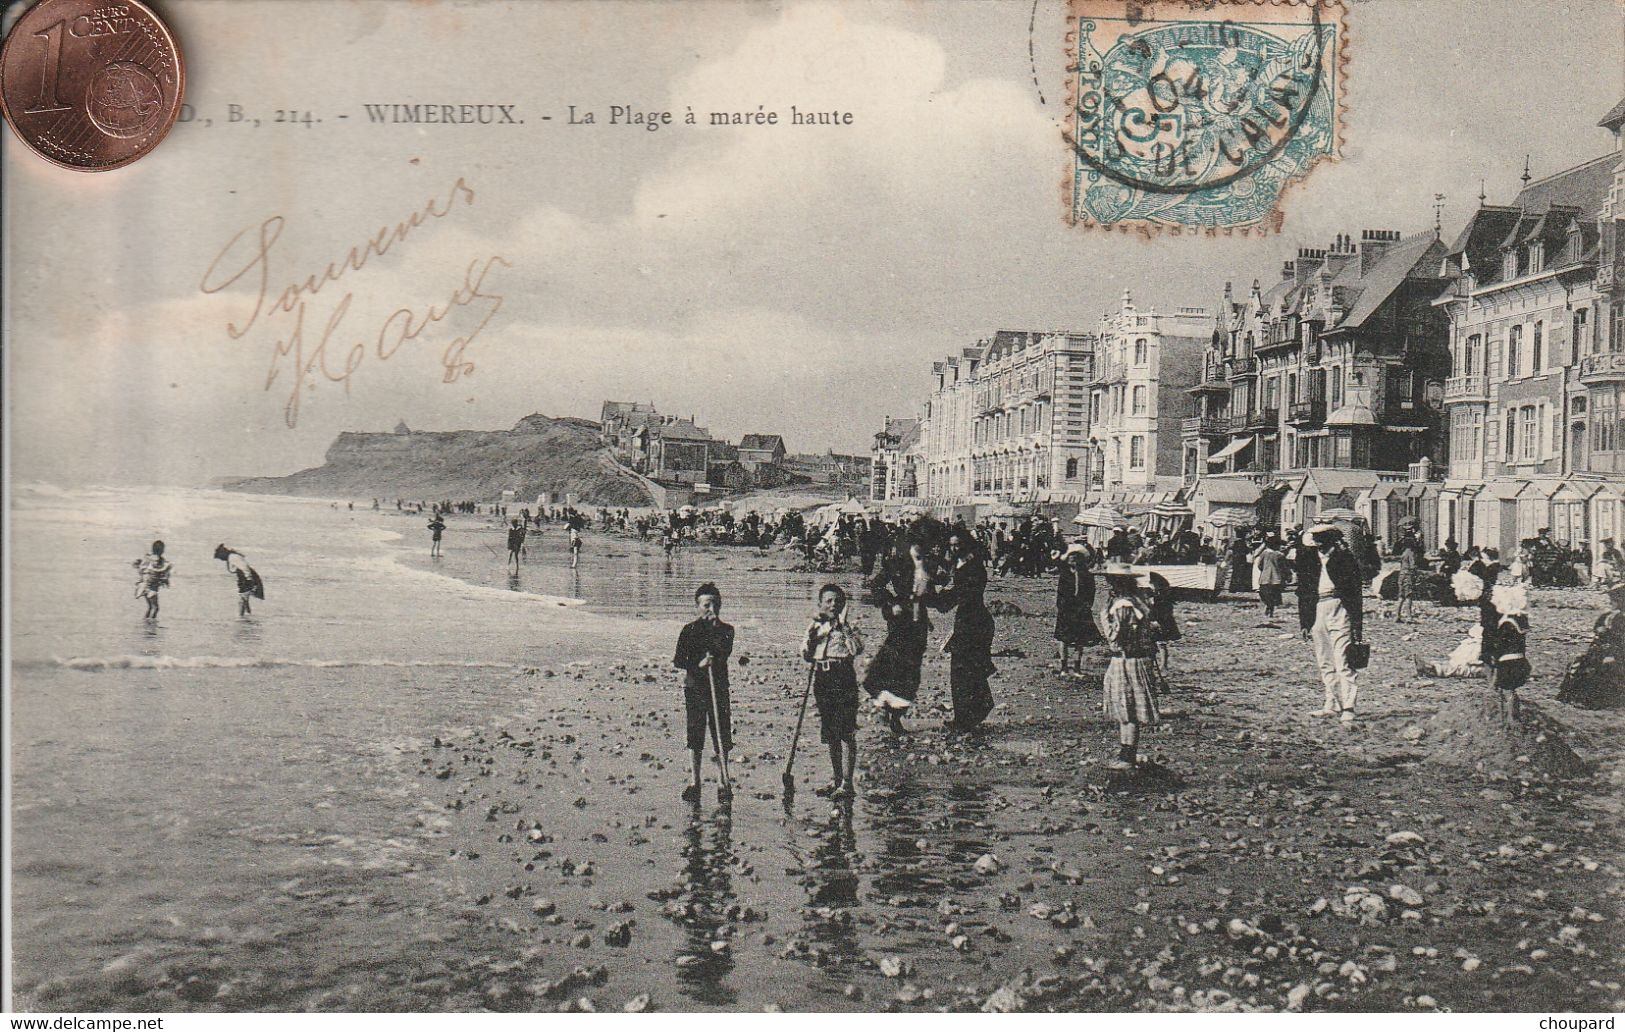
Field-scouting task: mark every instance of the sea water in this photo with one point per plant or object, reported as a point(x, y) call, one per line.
point(235, 809)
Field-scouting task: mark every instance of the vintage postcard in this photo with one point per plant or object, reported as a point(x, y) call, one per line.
point(901, 506)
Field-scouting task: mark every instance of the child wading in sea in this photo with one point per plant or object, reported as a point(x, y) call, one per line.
point(437, 526)
point(703, 648)
point(152, 575)
point(832, 645)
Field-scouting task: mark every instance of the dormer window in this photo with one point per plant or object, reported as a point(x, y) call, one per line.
point(1537, 256)
point(1509, 264)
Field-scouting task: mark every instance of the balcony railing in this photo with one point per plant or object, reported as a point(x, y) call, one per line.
point(1264, 419)
point(1206, 425)
point(1307, 413)
point(1603, 368)
point(1468, 387)
point(1243, 366)
point(1239, 420)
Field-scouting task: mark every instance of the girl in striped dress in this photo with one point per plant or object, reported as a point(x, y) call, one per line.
point(1131, 675)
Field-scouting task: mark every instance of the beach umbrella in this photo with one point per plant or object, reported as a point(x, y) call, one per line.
point(1173, 509)
point(852, 507)
point(1101, 515)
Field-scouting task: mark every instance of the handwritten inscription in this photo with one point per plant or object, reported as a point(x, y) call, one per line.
point(333, 355)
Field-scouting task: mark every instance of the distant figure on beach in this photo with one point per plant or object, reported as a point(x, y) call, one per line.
point(832, 647)
point(1269, 573)
point(1075, 607)
point(437, 526)
point(1132, 677)
point(249, 585)
point(703, 648)
point(575, 544)
point(902, 590)
point(516, 543)
point(152, 575)
point(970, 647)
point(1596, 680)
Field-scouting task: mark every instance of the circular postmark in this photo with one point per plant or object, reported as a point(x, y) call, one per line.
point(91, 85)
point(1182, 106)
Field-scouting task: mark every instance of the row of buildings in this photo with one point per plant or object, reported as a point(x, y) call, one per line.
point(1475, 385)
point(683, 461)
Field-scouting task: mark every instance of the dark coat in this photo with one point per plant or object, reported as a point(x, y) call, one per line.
point(1347, 583)
point(1075, 608)
point(694, 642)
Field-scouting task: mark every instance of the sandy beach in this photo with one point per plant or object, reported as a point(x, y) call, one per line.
point(511, 837)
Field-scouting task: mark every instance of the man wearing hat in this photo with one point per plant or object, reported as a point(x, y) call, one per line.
point(1331, 615)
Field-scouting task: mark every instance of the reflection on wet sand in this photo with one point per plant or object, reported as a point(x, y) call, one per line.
point(831, 878)
point(706, 909)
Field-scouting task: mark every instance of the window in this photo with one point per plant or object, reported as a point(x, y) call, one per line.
point(1509, 265)
point(1530, 432)
point(1337, 386)
point(1469, 363)
point(1136, 452)
point(1404, 388)
point(1537, 257)
point(1514, 352)
point(1603, 429)
point(1582, 333)
point(1072, 469)
point(1139, 351)
point(1536, 349)
point(1512, 436)
point(1477, 436)
point(1139, 400)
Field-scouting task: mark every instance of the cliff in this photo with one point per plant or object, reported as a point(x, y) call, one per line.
point(538, 455)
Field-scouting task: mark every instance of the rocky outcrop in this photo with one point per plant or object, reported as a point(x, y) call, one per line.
point(538, 455)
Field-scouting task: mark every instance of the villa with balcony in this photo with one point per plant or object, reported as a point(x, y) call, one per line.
point(1536, 389)
point(1339, 365)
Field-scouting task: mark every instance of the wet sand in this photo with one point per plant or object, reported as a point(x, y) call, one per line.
point(540, 857)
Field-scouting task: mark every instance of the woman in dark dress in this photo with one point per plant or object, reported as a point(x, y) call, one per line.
point(900, 589)
point(970, 647)
point(1075, 626)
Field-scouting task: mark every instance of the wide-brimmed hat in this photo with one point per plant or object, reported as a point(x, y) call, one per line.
point(1075, 549)
point(1120, 570)
point(1321, 530)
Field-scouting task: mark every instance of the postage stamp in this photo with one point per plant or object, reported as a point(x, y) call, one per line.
point(1194, 115)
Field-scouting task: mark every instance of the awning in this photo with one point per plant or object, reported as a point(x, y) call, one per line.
point(1226, 490)
point(1228, 450)
point(1230, 516)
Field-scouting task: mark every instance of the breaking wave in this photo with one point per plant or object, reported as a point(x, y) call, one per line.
point(250, 662)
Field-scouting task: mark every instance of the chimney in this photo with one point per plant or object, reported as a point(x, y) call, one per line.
point(1374, 243)
point(1309, 261)
point(1287, 271)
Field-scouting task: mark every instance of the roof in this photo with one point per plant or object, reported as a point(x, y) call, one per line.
point(901, 427)
point(1614, 117)
point(1335, 481)
point(1584, 187)
point(1489, 225)
point(624, 408)
point(761, 442)
point(1226, 491)
point(681, 430)
point(1416, 256)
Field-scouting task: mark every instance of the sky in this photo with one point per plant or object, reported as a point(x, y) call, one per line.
point(781, 279)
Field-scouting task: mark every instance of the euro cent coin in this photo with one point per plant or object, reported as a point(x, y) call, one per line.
point(91, 85)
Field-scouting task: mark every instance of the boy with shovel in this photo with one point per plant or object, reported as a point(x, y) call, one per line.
point(831, 647)
point(703, 648)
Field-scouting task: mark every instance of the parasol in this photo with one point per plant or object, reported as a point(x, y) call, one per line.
point(1101, 515)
